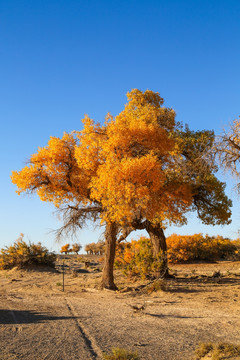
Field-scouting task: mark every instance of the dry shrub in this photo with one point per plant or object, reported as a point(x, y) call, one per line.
point(185, 248)
point(121, 354)
point(237, 244)
point(136, 258)
point(157, 285)
point(203, 350)
point(21, 254)
point(218, 351)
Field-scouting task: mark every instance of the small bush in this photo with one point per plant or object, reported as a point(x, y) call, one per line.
point(80, 259)
point(218, 351)
point(136, 258)
point(121, 354)
point(21, 255)
point(157, 285)
point(203, 350)
point(237, 244)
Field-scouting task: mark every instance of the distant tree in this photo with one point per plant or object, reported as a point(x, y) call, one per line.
point(87, 249)
point(90, 248)
point(95, 248)
point(76, 248)
point(228, 150)
point(66, 249)
point(100, 247)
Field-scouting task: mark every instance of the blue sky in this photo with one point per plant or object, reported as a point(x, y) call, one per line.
point(61, 59)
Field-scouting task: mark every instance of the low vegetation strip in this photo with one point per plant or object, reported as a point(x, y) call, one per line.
point(136, 258)
point(218, 351)
point(185, 248)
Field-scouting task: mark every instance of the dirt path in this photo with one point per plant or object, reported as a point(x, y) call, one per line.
point(42, 328)
point(39, 321)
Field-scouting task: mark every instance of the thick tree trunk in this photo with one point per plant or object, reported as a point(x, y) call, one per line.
point(159, 245)
point(110, 247)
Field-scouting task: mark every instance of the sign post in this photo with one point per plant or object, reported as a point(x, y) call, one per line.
point(63, 273)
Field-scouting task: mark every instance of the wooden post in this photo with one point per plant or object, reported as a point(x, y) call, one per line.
point(63, 274)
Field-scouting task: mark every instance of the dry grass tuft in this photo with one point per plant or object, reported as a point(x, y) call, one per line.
point(121, 354)
point(218, 351)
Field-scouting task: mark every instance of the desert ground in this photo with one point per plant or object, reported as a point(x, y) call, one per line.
point(39, 321)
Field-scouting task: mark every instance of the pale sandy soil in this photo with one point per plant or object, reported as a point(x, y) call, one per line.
point(40, 321)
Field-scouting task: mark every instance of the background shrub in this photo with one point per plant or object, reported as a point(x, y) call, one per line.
point(21, 254)
point(136, 258)
point(185, 248)
point(237, 244)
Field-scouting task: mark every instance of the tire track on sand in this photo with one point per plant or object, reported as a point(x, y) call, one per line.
point(58, 340)
point(90, 341)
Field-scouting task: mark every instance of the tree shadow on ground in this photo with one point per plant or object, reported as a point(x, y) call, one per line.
point(27, 317)
point(187, 285)
point(197, 284)
point(162, 316)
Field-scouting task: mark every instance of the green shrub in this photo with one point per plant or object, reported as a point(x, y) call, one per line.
point(21, 255)
point(121, 354)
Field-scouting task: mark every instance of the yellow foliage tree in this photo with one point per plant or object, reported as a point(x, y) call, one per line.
point(76, 248)
point(65, 249)
point(154, 171)
point(138, 170)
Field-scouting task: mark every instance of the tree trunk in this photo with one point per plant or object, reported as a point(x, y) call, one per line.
point(159, 245)
point(110, 247)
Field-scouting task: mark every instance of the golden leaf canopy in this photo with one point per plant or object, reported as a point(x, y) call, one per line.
point(136, 165)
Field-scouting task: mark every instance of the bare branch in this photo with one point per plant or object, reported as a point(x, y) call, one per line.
point(75, 218)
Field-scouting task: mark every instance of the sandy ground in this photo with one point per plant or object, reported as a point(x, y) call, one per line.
point(40, 321)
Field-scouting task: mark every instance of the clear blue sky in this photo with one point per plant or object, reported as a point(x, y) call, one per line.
point(62, 59)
